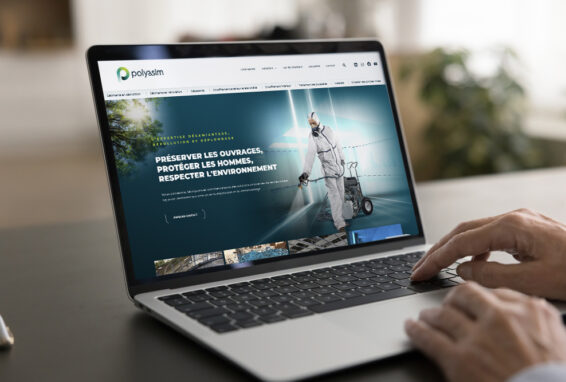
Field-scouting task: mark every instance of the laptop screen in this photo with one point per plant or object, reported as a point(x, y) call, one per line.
point(228, 162)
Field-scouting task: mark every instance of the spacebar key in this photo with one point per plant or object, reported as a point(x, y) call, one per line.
point(361, 300)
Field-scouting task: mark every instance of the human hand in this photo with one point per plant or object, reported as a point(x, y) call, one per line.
point(488, 335)
point(538, 242)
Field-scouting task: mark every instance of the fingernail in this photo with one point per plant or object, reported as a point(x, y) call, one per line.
point(418, 263)
point(464, 271)
point(415, 273)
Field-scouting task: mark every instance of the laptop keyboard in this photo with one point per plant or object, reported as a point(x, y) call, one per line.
point(269, 300)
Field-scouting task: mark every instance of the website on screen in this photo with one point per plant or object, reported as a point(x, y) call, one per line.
point(223, 162)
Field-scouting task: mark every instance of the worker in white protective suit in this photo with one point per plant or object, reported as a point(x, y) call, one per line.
point(324, 143)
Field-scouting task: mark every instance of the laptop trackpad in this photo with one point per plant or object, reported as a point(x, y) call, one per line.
point(383, 322)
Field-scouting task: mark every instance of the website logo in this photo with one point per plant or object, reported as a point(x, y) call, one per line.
point(123, 74)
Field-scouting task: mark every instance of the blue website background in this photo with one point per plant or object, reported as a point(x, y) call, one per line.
point(275, 122)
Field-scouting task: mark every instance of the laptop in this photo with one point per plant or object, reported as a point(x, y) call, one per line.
point(264, 199)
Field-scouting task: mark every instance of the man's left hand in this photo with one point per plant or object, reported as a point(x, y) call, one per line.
point(488, 335)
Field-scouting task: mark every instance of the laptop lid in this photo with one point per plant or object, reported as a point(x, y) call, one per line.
point(205, 143)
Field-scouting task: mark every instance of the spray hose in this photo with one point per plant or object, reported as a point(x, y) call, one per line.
point(305, 182)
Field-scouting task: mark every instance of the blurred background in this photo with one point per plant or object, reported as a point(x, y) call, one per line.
point(479, 84)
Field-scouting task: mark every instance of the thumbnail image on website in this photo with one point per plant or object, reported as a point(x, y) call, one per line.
point(221, 180)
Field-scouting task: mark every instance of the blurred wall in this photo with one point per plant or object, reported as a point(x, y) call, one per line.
point(45, 99)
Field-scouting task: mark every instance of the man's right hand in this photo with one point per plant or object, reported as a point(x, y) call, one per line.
point(304, 176)
point(479, 334)
point(536, 241)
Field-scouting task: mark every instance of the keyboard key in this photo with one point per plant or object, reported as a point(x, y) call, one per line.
point(199, 297)
point(339, 272)
point(388, 286)
point(318, 274)
point(403, 283)
point(240, 316)
point(281, 299)
point(323, 290)
point(380, 272)
point(307, 285)
point(244, 297)
point(282, 277)
point(259, 303)
point(345, 286)
point(360, 300)
point(249, 323)
point(263, 311)
point(369, 290)
point(346, 278)
point(223, 328)
point(349, 294)
point(255, 283)
point(400, 276)
point(273, 318)
point(399, 268)
point(297, 313)
point(306, 302)
point(221, 294)
point(358, 268)
point(326, 282)
point(327, 298)
point(302, 279)
point(176, 301)
point(238, 307)
point(243, 289)
point(216, 289)
point(266, 293)
point(303, 294)
point(363, 283)
point(363, 275)
point(285, 307)
point(198, 314)
point(214, 320)
point(283, 283)
point(170, 297)
point(193, 293)
point(264, 285)
point(382, 279)
point(286, 289)
point(221, 301)
point(193, 307)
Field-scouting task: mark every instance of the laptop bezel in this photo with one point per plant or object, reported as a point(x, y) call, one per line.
point(235, 49)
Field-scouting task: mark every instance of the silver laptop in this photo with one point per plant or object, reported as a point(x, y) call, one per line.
point(264, 199)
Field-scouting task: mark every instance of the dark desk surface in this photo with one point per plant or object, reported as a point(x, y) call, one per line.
point(62, 293)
